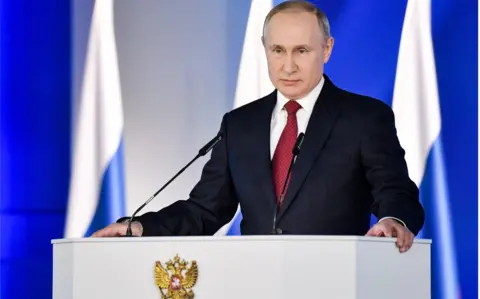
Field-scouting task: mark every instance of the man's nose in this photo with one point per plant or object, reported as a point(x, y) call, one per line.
point(289, 65)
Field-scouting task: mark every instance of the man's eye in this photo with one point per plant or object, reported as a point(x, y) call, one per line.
point(277, 50)
point(302, 50)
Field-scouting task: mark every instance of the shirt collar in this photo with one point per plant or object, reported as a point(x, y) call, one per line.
point(307, 102)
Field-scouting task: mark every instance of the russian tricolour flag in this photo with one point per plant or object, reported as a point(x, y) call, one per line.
point(418, 121)
point(97, 184)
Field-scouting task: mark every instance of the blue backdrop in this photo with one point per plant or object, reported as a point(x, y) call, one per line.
point(35, 115)
point(35, 141)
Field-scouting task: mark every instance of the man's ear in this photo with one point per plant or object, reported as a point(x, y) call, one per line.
point(327, 51)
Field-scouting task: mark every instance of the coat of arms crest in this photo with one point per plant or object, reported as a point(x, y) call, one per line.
point(176, 280)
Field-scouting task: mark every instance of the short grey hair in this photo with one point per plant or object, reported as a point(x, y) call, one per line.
point(301, 6)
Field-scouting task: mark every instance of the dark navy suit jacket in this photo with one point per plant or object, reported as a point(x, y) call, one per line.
point(351, 165)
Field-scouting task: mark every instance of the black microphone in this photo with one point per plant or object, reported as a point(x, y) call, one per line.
point(202, 152)
point(295, 152)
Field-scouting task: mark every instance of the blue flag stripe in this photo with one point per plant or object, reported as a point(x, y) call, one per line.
point(111, 203)
point(435, 199)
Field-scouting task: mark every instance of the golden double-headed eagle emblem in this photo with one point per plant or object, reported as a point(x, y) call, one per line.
point(176, 280)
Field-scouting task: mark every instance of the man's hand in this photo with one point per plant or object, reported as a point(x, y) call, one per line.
point(119, 229)
point(391, 228)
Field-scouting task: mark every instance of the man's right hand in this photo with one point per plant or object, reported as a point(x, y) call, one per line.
point(119, 229)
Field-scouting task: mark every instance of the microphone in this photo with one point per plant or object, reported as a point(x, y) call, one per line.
point(295, 152)
point(202, 152)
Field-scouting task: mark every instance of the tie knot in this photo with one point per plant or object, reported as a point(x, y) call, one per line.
point(292, 107)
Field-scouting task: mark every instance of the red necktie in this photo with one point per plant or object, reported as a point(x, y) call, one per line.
point(283, 152)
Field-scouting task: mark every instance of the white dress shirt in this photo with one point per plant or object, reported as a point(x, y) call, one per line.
point(279, 115)
point(279, 119)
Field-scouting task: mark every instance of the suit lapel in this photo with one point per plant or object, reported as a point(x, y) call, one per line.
point(322, 120)
point(260, 124)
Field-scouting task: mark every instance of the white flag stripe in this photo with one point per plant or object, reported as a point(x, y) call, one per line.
point(415, 99)
point(253, 81)
point(99, 124)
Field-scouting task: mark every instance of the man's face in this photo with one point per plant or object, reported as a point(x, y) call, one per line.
point(296, 51)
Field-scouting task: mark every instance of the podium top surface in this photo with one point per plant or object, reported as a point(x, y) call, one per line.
point(261, 238)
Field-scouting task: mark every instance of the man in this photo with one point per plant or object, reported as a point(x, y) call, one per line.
point(350, 164)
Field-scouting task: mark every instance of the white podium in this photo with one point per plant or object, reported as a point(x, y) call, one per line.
point(251, 267)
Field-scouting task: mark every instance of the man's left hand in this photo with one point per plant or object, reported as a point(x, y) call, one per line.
point(392, 228)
